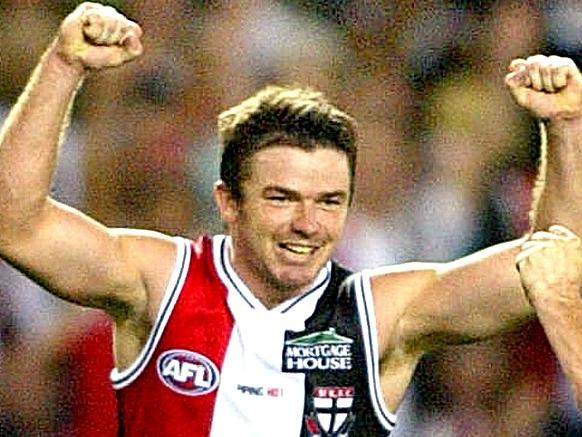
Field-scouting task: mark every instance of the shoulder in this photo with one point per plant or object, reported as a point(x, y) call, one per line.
point(394, 289)
point(146, 247)
point(155, 256)
point(396, 286)
point(393, 286)
point(402, 282)
point(149, 244)
point(388, 282)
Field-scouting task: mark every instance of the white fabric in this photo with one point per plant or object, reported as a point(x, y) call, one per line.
point(253, 359)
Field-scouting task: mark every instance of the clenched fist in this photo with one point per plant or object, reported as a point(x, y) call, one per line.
point(550, 266)
point(549, 87)
point(94, 36)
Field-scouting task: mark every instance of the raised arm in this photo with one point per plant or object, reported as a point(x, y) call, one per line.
point(432, 305)
point(70, 254)
point(550, 267)
point(422, 307)
point(481, 295)
point(550, 87)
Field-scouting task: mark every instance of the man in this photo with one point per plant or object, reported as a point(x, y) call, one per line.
point(258, 333)
point(550, 265)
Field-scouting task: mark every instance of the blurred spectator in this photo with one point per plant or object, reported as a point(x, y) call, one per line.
point(443, 160)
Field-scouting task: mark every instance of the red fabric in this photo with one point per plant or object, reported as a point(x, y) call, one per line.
point(201, 323)
point(93, 406)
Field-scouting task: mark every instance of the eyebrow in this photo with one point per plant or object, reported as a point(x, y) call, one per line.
point(295, 194)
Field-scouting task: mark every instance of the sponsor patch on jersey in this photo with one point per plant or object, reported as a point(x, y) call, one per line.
point(188, 373)
point(274, 392)
point(331, 415)
point(325, 350)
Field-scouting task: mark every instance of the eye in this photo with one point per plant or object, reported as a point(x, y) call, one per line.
point(277, 198)
point(331, 202)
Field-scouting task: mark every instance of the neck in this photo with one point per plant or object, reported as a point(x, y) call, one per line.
point(267, 288)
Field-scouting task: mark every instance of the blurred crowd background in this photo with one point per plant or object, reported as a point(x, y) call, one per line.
point(446, 164)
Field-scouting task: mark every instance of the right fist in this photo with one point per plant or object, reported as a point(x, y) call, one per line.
point(548, 86)
point(94, 36)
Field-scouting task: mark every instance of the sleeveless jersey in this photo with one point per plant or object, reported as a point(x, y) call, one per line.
point(218, 363)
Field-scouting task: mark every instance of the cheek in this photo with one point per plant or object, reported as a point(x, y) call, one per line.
point(275, 218)
point(264, 221)
point(334, 223)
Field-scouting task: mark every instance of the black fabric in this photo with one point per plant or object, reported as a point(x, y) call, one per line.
point(336, 314)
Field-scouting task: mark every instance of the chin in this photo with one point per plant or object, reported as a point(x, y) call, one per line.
point(294, 280)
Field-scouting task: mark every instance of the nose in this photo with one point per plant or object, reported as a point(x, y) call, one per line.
point(305, 219)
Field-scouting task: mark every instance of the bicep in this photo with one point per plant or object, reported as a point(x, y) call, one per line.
point(470, 299)
point(78, 259)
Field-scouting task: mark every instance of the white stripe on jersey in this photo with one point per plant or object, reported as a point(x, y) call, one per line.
point(365, 302)
point(123, 378)
point(253, 390)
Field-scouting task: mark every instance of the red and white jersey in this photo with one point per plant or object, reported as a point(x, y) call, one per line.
point(218, 363)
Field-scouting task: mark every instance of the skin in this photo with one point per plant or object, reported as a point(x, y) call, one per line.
point(291, 216)
point(290, 219)
point(550, 266)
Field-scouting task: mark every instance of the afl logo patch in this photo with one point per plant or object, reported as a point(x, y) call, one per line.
point(187, 372)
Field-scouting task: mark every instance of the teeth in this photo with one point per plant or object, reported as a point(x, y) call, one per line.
point(302, 250)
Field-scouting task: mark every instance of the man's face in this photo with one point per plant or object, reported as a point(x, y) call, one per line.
point(290, 218)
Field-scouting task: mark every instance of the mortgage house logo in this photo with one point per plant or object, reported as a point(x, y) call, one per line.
point(324, 350)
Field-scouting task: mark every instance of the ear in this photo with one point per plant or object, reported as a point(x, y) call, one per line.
point(227, 205)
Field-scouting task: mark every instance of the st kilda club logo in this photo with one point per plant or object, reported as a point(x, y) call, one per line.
point(331, 415)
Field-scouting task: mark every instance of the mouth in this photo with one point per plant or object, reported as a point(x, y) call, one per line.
point(299, 248)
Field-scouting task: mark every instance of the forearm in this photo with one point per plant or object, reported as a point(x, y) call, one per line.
point(562, 322)
point(29, 140)
point(559, 200)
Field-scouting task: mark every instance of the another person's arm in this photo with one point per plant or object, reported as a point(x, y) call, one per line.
point(550, 267)
point(70, 254)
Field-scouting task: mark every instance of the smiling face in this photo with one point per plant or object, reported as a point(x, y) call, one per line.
point(289, 220)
